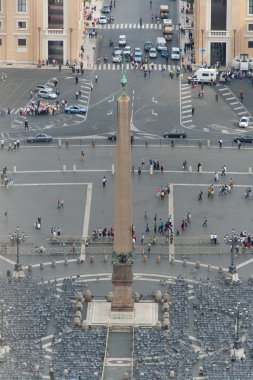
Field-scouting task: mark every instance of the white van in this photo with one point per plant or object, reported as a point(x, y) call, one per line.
point(203, 76)
point(160, 43)
point(175, 53)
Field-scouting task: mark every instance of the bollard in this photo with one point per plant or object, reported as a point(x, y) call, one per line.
point(158, 259)
point(66, 261)
point(74, 168)
point(64, 168)
point(78, 260)
point(41, 266)
point(92, 259)
point(200, 169)
point(14, 169)
point(53, 264)
point(145, 258)
point(113, 168)
point(208, 144)
point(172, 260)
point(184, 262)
point(59, 143)
point(93, 142)
point(197, 264)
point(209, 267)
point(151, 169)
point(105, 259)
point(30, 268)
point(250, 172)
point(190, 169)
point(146, 142)
point(200, 144)
point(220, 269)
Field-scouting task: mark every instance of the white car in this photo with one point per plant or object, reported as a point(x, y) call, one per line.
point(122, 40)
point(244, 122)
point(44, 87)
point(127, 50)
point(116, 58)
point(102, 20)
point(46, 94)
point(175, 53)
point(152, 53)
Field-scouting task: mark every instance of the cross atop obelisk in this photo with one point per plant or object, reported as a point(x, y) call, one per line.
point(123, 255)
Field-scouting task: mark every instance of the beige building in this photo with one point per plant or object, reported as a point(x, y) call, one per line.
point(40, 30)
point(223, 29)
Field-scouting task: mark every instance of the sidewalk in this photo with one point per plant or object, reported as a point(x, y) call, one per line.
point(186, 20)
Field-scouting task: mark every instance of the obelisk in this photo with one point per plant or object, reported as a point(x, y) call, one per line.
point(123, 255)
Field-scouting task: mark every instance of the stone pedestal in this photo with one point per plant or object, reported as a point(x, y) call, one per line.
point(122, 281)
point(18, 274)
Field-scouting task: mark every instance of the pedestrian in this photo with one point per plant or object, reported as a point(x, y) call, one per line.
point(220, 143)
point(76, 79)
point(216, 177)
point(82, 155)
point(139, 170)
point(77, 95)
point(211, 238)
point(199, 167)
point(161, 167)
point(178, 230)
point(18, 143)
point(104, 180)
point(146, 215)
point(215, 238)
point(149, 247)
point(9, 147)
point(193, 110)
point(204, 223)
point(224, 171)
point(39, 220)
point(239, 144)
point(96, 78)
point(142, 238)
point(147, 228)
point(200, 195)
point(62, 203)
point(26, 125)
point(31, 93)
point(150, 3)
point(15, 144)
point(58, 232)
point(55, 82)
point(6, 215)
point(2, 143)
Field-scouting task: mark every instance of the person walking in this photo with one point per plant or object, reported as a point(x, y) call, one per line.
point(199, 167)
point(26, 125)
point(82, 155)
point(224, 171)
point(193, 110)
point(96, 78)
point(6, 215)
point(220, 143)
point(147, 228)
point(200, 195)
point(204, 223)
point(104, 180)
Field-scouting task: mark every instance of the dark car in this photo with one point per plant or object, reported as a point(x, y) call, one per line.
point(164, 53)
point(244, 139)
point(105, 9)
point(41, 137)
point(175, 134)
point(113, 137)
point(148, 45)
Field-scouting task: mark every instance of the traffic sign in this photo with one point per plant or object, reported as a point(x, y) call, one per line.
point(202, 50)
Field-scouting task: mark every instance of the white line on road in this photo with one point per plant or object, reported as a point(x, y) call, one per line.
point(7, 260)
point(86, 220)
point(245, 263)
point(171, 212)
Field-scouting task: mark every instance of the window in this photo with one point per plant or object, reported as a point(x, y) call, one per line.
point(250, 7)
point(21, 5)
point(250, 44)
point(21, 25)
point(1, 24)
point(0, 5)
point(21, 42)
point(0, 41)
point(250, 27)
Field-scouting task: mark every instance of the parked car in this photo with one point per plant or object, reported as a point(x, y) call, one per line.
point(102, 20)
point(75, 109)
point(46, 94)
point(116, 58)
point(113, 137)
point(122, 40)
point(105, 9)
point(44, 87)
point(175, 134)
point(152, 53)
point(148, 45)
point(41, 137)
point(244, 122)
point(244, 139)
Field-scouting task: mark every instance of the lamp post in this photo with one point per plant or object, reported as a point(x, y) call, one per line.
point(16, 237)
point(70, 44)
point(234, 41)
point(232, 268)
point(238, 350)
point(202, 46)
point(39, 30)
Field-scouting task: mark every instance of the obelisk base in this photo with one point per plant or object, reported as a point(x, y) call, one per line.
point(122, 281)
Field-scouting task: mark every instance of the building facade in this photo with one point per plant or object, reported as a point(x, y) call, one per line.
point(223, 30)
point(33, 31)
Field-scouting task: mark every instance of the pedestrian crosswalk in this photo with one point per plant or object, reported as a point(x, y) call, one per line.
point(129, 66)
point(186, 105)
point(133, 26)
point(234, 102)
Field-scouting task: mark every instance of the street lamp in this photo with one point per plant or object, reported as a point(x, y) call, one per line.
point(232, 268)
point(202, 46)
point(238, 351)
point(70, 44)
point(39, 30)
point(234, 41)
point(16, 237)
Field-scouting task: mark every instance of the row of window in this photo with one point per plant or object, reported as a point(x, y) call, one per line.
point(21, 5)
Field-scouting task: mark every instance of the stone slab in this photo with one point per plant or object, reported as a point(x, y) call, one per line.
point(145, 314)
